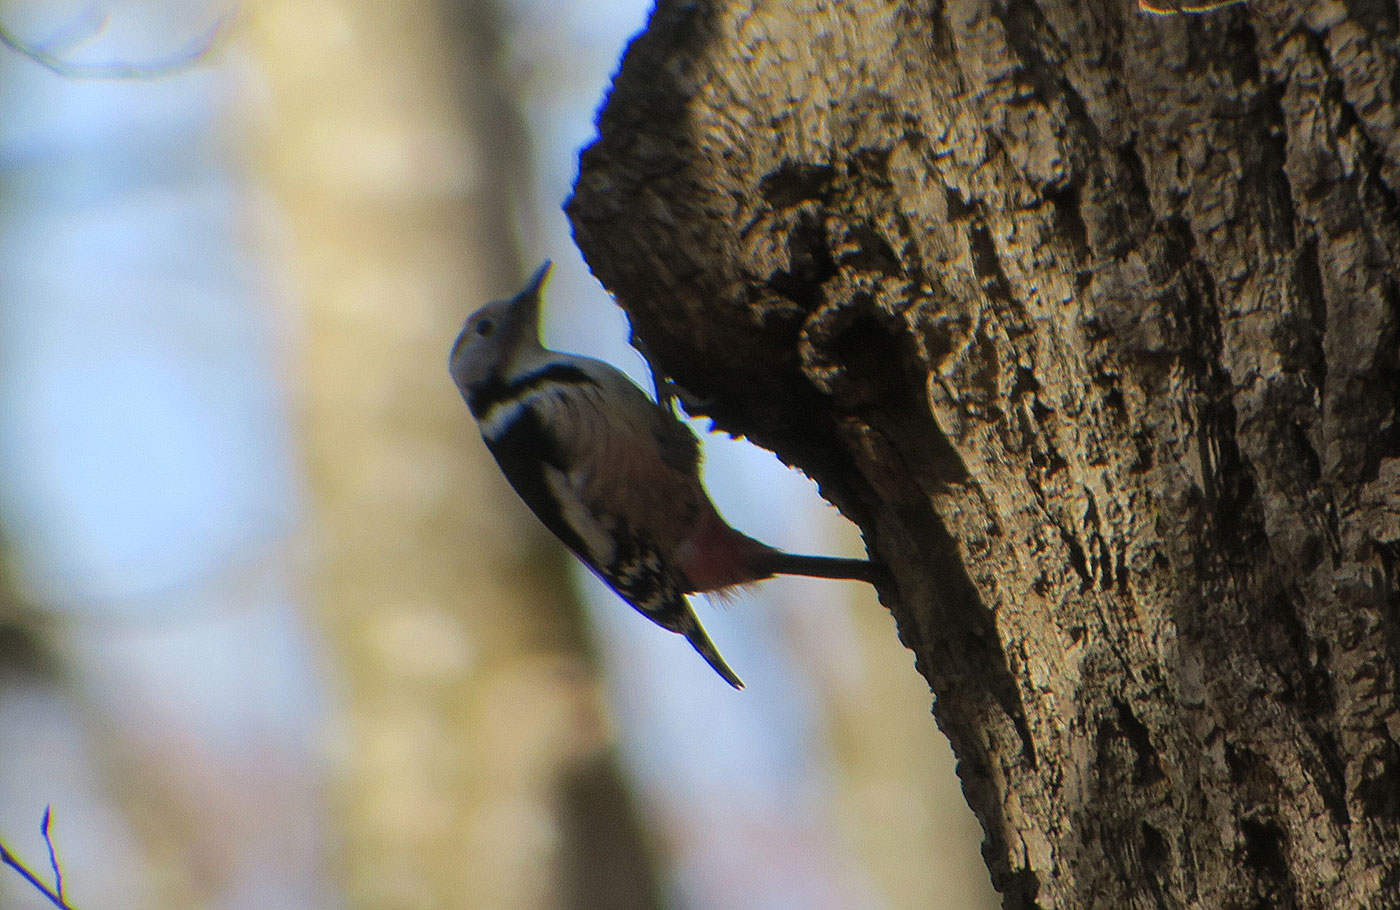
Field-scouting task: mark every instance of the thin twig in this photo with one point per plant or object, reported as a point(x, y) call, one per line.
point(14, 863)
point(53, 857)
point(197, 51)
point(91, 23)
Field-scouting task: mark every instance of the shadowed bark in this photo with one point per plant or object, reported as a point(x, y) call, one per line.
point(1088, 318)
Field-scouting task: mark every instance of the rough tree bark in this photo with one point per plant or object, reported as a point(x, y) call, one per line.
point(1088, 318)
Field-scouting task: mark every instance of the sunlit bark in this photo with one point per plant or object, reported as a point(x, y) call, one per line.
point(1089, 318)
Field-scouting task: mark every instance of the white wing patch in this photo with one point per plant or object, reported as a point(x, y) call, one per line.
point(565, 486)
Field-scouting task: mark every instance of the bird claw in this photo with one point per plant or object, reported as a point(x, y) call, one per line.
point(668, 391)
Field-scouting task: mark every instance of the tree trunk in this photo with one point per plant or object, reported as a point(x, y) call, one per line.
point(475, 756)
point(1088, 318)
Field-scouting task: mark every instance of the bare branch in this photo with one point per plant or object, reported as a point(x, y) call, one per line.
point(49, 58)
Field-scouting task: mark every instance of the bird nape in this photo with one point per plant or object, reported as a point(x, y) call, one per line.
point(613, 474)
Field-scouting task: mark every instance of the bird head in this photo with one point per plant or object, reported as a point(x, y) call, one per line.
point(496, 336)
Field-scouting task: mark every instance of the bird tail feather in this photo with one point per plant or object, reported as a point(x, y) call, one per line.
point(695, 634)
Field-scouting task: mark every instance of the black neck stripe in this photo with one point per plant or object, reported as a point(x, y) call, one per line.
point(495, 391)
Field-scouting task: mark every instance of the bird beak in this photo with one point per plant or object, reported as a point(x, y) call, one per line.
point(526, 304)
point(538, 279)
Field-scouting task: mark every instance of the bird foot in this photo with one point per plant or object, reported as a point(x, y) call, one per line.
point(668, 391)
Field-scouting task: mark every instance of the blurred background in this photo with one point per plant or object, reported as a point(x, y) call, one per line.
point(274, 633)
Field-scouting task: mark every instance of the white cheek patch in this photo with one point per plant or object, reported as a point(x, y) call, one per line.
point(596, 539)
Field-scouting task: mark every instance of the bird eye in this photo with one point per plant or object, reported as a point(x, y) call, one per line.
point(485, 327)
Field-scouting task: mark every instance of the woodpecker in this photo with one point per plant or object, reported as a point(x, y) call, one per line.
point(613, 474)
